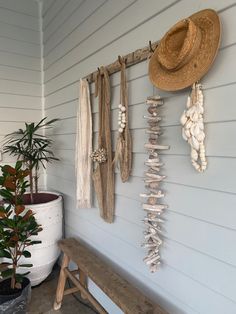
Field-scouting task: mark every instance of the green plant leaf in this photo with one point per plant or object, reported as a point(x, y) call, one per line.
point(26, 254)
point(4, 253)
point(19, 277)
point(35, 242)
point(7, 273)
point(18, 165)
point(24, 274)
point(6, 194)
point(26, 265)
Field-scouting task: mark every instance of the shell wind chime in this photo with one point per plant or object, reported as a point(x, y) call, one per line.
point(153, 180)
point(193, 127)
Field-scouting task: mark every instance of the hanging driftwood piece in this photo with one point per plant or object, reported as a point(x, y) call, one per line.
point(193, 127)
point(153, 206)
point(103, 175)
point(131, 58)
point(123, 154)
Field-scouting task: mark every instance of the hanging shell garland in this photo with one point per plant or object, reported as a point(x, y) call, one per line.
point(99, 155)
point(193, 127)
point(121, 118)
point(153, 180)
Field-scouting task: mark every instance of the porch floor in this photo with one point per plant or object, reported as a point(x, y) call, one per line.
point(43, 297)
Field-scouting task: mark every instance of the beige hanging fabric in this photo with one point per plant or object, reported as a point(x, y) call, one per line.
point(103, 175)
point(83, 164)
point(123, 155)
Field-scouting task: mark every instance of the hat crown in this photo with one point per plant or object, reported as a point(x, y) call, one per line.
point(179, 45)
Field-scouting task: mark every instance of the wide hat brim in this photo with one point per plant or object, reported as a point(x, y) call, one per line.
point(209, 23)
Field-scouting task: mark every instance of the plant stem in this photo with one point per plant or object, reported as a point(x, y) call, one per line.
point(31, 183)
point(36, 181)
point(14, 266)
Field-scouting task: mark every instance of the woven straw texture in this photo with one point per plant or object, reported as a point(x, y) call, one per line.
point(186, 52)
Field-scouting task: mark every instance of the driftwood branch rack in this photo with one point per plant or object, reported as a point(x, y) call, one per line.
point(132, 58)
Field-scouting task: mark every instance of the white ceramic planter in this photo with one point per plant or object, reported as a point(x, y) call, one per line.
point(44, 255)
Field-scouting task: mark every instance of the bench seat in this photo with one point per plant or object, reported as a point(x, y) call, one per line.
point(128, 298)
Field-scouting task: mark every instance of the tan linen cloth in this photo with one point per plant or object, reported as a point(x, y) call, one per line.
point(103, 175)
point(83, 163)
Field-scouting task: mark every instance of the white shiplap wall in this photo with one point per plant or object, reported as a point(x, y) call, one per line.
point(20, 66)
point(199, 270)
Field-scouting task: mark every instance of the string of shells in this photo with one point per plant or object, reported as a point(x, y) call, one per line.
point(193, 127)
point(121, 118)
point(153, 179)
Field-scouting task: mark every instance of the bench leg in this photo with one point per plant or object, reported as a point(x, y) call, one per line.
point(61, 283)
point(84, 281)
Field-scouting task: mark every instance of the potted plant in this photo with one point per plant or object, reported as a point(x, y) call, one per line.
point(31, 146)
point(18, 227)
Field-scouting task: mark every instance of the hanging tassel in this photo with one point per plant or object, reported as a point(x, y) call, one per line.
point(193, 127)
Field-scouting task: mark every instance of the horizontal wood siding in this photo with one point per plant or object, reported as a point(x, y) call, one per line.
point(20, 67)
point(199, 260)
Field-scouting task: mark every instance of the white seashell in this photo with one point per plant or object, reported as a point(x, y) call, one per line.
point(120, 105)
point(202, 147)
point(120, 130)
point(201, 125)
point(190, 111)
point(200, 136)
point(123, 109)
point(195, 143)
point(200, 96)
point(202, 151)
point(197, 166)
point(122, 125)
point(200, 109)
point(196, 130)
point(194, 154)
point(184, 135)
point(189, 102)
point(187, 133)
point(192, 129)
point(194, 116)
point(188, 124)
point(183, 118)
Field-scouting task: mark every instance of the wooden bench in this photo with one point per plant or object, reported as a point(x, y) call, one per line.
point(128, 298)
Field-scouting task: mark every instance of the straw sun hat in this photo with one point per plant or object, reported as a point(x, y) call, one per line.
point(186, 52)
